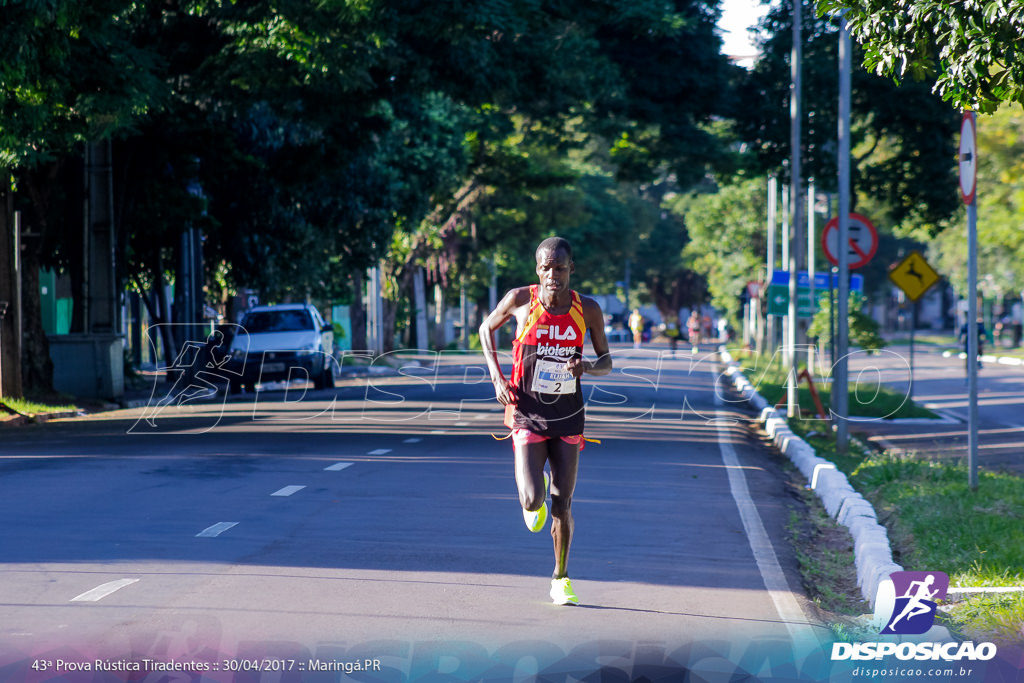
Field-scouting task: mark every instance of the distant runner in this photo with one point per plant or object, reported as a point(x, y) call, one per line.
point(636, 326)
point(543, 400)
point(693, 324)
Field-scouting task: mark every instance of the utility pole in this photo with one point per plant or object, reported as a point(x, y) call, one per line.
point(10, 291)
point(811, 271)
point(795, 204)
point(773, 192)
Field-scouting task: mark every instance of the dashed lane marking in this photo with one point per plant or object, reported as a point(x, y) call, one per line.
point(288, 490)
point(338, 466)
point(379, 451)
point(102, 591)
point(414, 439)
point(216, 530)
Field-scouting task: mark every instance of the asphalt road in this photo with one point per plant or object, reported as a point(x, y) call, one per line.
point(379, 521)
point(940, 384)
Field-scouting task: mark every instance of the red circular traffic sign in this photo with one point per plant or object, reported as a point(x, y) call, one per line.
point(863, 240)
point(968, 157)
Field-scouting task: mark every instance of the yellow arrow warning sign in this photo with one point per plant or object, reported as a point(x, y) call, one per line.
point(913, 275)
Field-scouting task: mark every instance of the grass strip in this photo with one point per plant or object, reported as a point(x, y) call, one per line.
point(936, 522)
point(27, 407)
point(865, 399)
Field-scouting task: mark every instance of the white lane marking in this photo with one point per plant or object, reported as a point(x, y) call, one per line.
point(438, 431)
point(461, 424)
point(482, 416)
point(338, 466)
point(379, 451)
point(414, 439)
point(767, 562)
point(102, 591)
point(215, 530)
point(287, 490)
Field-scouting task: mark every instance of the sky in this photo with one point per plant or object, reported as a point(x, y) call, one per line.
point(737, 15)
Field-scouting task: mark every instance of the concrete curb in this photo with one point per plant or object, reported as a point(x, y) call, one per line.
point(872, 552)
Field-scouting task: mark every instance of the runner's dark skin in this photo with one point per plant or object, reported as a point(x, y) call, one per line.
point(554, 267)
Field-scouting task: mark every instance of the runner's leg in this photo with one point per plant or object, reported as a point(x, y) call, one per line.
point(564, 458)
point(530, 458)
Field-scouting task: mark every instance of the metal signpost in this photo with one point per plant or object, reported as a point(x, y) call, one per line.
point(914, 276)
point(968, 187)
point(840, 376)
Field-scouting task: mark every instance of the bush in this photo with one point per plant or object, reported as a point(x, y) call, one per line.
point(863, 329)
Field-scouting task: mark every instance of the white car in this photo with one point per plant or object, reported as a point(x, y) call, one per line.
point(286, 342)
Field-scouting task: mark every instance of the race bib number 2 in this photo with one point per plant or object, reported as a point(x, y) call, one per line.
point(552, 377)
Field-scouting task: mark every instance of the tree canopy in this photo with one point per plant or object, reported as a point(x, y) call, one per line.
point(969, 50)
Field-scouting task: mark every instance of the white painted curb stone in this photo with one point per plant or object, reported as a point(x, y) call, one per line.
point(872, 552)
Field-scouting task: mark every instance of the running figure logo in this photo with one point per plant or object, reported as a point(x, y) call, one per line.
point(916, 596)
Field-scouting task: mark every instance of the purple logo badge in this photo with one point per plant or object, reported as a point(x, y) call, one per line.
point(916, 595)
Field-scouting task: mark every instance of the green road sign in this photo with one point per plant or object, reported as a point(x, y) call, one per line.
point(778, 300)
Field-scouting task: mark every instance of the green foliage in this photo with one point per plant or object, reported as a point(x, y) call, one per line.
point(70, 71)
point(866, 398)
point(1000, 212)
point(863, 329)
point(311, 140)
point(982, 535)
point(903, 167)
point(727, 238)
point(935, 520)
point(970, 50)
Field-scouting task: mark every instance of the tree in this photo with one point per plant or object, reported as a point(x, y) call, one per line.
point(1000, 212)
point(861, 327)
point(634, 84)
point(727, 245)
point(970, 50)
point(903, 155)
point(70, 73)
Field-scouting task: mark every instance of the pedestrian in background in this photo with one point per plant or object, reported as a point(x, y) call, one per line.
point(636, 325)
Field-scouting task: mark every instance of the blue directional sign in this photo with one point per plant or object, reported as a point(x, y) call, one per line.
point(781, 277)
point(778, 291)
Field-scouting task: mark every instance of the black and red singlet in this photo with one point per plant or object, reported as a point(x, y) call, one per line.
point(549, 400)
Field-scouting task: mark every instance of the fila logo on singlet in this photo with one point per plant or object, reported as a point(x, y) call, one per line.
point(555, 332)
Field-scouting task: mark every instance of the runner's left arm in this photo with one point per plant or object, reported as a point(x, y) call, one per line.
point(594, 319)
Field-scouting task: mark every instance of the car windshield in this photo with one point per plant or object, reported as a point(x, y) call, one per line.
point(277, 321)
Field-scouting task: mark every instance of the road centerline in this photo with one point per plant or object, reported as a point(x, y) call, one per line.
point(216, 529)
point(288, 490)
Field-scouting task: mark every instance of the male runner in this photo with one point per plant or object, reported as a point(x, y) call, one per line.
point(543, 400)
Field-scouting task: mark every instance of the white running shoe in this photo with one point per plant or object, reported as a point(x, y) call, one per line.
point(562, 593)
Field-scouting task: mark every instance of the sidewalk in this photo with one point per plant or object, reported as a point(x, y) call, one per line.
point(149, 387)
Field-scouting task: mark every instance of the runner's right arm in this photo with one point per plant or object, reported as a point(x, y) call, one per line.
point(514, 300)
